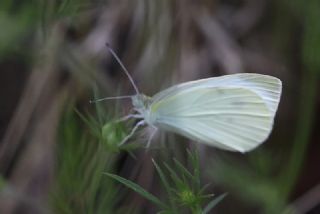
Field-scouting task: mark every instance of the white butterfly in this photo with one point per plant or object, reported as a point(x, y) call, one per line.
point(233, 112)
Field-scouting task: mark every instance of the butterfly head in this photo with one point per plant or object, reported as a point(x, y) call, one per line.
point(141, 102)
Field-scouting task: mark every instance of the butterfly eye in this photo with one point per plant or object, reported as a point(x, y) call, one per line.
point(135, 101)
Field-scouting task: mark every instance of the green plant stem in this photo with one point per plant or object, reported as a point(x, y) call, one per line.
point(196, 210)
point(302, 138)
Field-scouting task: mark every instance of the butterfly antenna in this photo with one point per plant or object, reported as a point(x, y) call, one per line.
point(110, 98)
point(124, 68)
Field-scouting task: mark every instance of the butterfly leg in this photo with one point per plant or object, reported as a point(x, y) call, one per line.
point(129, 116)
point(154, 131)
point(140, 123)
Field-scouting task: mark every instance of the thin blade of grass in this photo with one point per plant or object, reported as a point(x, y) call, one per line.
point(178, 182)
point(194, 157)
point(213, 203)
point(90, 122)
point(166, 185)
point(183, 170)
point(2, 182)
point(138, 189)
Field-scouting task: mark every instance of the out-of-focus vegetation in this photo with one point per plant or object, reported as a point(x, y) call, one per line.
point(60, 154)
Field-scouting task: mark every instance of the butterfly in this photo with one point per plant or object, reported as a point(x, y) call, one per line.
point(233, 112)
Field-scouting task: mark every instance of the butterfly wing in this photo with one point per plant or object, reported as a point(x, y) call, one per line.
point(267, 87)
point(237, 116)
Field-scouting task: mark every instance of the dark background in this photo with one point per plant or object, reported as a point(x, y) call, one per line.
point(53, 60)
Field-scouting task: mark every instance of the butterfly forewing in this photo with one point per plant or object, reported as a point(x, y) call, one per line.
point(234, 112)
point(267, 87)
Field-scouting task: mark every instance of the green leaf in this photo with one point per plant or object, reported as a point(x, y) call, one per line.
point(135, 187)
point(213, 203)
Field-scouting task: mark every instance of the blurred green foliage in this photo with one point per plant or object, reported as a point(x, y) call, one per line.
point(184, 191)
point(80, 186)
point(16, 21)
